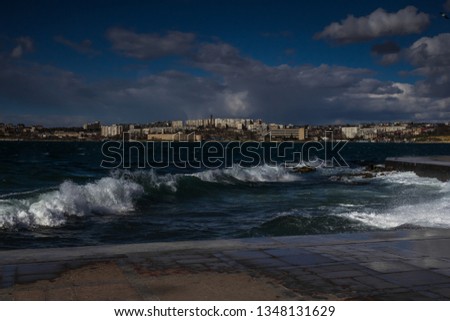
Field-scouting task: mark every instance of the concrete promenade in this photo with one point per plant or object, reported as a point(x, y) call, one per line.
point(394, 265)
point(430, 166)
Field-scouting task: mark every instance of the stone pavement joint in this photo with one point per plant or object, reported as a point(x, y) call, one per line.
point(393, 265)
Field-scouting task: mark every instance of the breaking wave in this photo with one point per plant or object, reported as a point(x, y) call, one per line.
point(226, 176)
point(120, 192)
point(107, 195)
point(264, 173)
point(409, 178)
point(432, 212)
point(307, 224)
point(117, 193)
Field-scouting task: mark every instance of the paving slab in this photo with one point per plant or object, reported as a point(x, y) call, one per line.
point(390, 266)
point(414, 278)
point(386, 265)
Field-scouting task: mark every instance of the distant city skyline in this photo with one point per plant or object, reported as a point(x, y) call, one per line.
point(327, 62)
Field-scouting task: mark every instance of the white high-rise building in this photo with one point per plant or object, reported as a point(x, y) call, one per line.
point(349, 132)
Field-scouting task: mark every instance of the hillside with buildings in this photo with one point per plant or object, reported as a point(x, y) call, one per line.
point(228, 129)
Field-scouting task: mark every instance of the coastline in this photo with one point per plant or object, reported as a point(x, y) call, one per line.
point(211, 140)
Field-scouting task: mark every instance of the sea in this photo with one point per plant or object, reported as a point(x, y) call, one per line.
point(65, 194)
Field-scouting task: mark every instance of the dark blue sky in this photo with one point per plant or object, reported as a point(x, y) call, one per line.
point(288, 61)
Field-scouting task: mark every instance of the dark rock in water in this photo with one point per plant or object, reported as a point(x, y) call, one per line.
point(376, 168)
point(349, 178)
point(367, 175)
point(304, 169)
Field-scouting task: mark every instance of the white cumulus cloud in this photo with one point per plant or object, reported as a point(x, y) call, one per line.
point(377, 24)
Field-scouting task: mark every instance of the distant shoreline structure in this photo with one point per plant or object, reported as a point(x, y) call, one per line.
point(231, 129)
point(12, 140)
point(431, 166)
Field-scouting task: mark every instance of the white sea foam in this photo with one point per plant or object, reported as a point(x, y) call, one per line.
point(432, 213)
point(233, 175)
point(107, 195)
point(117, 194)
point(264, 173)
point(356, 175)
point(349, 205)
point(408, 178)
point(149, 179)
point(426, 215)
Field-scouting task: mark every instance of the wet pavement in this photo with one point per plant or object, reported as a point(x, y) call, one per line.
point(394, 265)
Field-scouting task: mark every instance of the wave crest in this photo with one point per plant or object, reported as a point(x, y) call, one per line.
point(259, 174)
point(227, 176)
point(427, 214)
point(118, 193)
point(409, 178)
point(107, 195)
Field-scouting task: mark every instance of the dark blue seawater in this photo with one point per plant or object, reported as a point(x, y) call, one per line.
point(56, 194)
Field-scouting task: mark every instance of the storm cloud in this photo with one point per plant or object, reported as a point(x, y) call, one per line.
point(431, 57)
point(234, 85)
point(387, 52)
point(150, 45)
